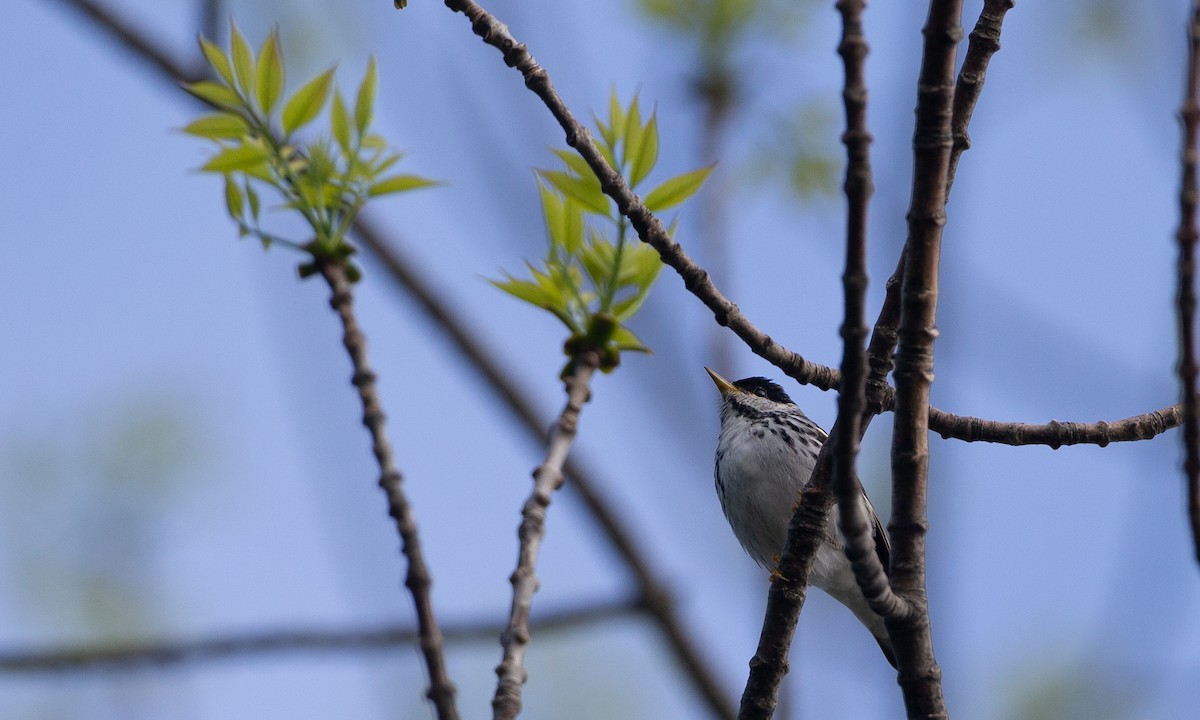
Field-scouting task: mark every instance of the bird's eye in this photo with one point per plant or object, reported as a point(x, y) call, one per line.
point(760, 392)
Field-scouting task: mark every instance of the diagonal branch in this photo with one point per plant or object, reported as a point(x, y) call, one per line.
point(1186, 291)
point(216, 648)
point(417, 579)
point(649, 228)
point(506, 704)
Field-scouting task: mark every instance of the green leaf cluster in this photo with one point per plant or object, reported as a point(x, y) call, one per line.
point(326, 179)
point(596, 274)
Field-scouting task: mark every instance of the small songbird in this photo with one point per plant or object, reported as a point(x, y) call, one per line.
point(765, 456)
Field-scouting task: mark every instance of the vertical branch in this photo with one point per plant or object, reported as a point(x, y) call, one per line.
point(547, 478)
point(417, 579)
point(855, 525)
point(919, 674)
point(1186, 296)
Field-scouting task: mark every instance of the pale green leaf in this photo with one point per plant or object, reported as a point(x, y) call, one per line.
point(233, 197)
point(643, 264)
point(243, 60)
point(218, 126)
point(575, 162)
point(624, 339)
point(552, 212)
point(677, 189)
point(399, 183)
point(616, 117)
point(526, 290)
point(240, 157)
point(628, 307)
point(255, 205)
point(632, 130)
point(217, 59)
point(214, 94)
point(306, 104)
point(269, 78)
point(339, 123)
point(585, 191)
point(644, 154)
point(597, 256)
point(364, 104)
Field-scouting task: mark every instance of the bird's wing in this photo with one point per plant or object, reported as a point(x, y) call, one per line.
point(883, 549)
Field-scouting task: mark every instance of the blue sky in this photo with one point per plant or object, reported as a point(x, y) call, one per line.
point(180, 453)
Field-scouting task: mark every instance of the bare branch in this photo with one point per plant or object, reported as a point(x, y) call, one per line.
point(919, 674)
point(506, 704)
point(120, 657)
point(417, 579)
point(854, 522)
point(1186, 293)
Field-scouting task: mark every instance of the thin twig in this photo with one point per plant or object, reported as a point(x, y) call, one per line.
point(417, 579)
point(855, 524)
point(548, 477)
point(126, 657)
point(919, 674)
point(1186, 292)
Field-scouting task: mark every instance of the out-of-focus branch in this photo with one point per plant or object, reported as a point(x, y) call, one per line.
point(1186, 292)
point(127, 657)
point(417, 579)
point(656, 597)
point(138, 43)
point(506, 703)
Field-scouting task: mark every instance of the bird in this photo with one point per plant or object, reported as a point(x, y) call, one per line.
point(765, 456)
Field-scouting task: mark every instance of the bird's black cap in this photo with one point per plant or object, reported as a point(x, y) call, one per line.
point(763, 387)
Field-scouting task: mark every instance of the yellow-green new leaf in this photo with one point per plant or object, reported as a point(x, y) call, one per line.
point(252, 196)
point(585, 191)
point(644, 153)
point(399, 183)
point(218, 126)
point(214, 94)
point(241, 157)
point(339, 123)
point(631, 131)
point(616, 118)
point(243, 60)
point(217, 59)
point(575, 162)
point(624, 339)
point(564, 220)
point(306, 104)
point(677, 189)
point(233, 197)
point(269, 77)
point(364, 104)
